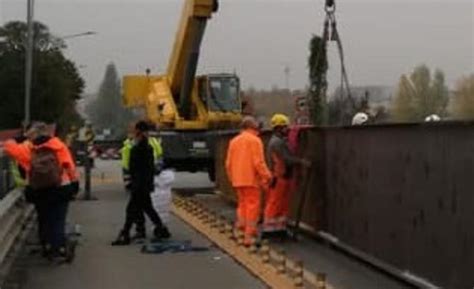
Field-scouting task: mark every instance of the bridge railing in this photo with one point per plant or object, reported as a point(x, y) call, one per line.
point(15, 217)
point(6, 178)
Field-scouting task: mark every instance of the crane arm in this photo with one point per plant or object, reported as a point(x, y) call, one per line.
point(185, 54)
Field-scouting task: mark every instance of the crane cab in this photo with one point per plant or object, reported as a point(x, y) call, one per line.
point(220, 95)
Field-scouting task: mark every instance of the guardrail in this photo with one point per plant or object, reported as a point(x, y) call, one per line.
point(6, 178)
point(15, 218)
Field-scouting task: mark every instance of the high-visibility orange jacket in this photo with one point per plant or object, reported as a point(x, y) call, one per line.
point(21, 152)
point(245, 163)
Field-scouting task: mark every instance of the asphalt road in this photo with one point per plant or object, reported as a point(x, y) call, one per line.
point(101, 266)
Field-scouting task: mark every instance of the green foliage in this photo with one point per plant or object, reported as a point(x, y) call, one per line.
point(420, 95)
point(403, 107)
point(107, 110)
point(318, 66)
point(56, 83)
point(463, 107)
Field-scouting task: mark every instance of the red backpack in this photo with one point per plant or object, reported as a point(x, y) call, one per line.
point(45, 169)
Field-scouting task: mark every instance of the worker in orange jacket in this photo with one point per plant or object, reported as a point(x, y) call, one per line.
point(247, 171)
point(51, 201)
point(282, 164)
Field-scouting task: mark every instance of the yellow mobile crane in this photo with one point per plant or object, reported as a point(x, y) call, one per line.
point(189, 110)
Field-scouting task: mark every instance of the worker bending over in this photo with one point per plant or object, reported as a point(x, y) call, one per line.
point(247, 171)
point(282, 163)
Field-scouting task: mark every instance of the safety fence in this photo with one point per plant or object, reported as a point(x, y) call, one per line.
point(398, 196)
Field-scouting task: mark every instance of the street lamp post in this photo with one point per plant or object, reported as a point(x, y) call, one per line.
point(29, 61)
point(29, 58)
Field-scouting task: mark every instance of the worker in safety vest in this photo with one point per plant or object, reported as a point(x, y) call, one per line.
point(18, 173)
point(247, 171)
point(142, 170)
point(125, 160)
point(282, 164)
point(71, 136)
point(18, 179)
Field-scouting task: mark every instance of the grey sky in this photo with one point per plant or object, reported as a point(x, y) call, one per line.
point(382, 38)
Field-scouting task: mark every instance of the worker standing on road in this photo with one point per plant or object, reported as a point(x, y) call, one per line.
point(52, 182)
point(247, 171)
point(125, 158)
point(282, 164)
point(142, 170)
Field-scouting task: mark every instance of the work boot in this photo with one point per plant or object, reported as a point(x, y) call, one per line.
point(268, 234)
point(46, 251)
point(123, 239)
point(282, 235)
point(161, 233)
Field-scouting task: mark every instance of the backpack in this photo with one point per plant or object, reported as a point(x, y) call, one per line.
point(45, 169)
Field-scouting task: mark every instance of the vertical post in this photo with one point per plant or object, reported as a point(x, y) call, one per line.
point(281, 265)
point(299, 275)
point(321, 281)
point(87, 174)
point(87, 185)
point(265, 252)
point(29, 59)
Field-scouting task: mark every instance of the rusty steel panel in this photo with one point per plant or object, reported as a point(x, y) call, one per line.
point(404, 194)
point(401, 193)
point(222, 181)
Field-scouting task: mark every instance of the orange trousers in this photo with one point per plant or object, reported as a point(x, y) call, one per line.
point(277, 206)
point(248, 211)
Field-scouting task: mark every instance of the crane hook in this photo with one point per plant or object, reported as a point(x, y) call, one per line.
point(330, 6)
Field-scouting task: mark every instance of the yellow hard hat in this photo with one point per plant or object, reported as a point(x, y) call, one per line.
point(279, 120)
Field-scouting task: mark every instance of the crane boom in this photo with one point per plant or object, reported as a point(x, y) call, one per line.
point(190, 111)
point(185, 54)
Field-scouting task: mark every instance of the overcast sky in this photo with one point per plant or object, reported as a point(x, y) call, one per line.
point(382, 38)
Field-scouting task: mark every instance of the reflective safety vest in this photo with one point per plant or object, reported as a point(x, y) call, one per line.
point(127, 148)
point(20, 182)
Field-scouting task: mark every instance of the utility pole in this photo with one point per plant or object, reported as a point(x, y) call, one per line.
point(29, 61)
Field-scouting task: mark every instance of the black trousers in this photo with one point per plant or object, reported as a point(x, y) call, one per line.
point(140, 221)
point(140, 217)
point(139, 203)
point(51, 207)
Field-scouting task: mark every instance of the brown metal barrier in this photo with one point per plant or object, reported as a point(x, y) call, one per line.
point(400, 193)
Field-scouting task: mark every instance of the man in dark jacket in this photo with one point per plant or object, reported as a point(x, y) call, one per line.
point(141, 170)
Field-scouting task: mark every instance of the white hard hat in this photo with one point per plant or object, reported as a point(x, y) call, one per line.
point(360, 118)
point(433, 117)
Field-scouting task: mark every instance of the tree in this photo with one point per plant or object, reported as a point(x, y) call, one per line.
point(420, 96)
point(318, 66)
point(56, 83)
point(107, 110)
point(464, 98)
point(403, 109)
